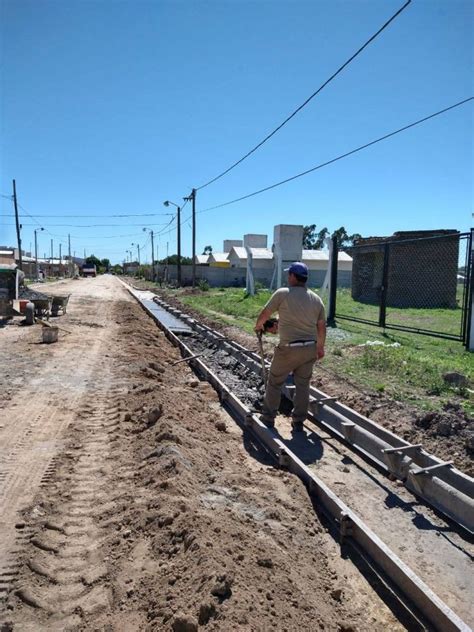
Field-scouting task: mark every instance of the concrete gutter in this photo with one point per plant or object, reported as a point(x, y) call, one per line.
point(442, 486)
point(352, 529)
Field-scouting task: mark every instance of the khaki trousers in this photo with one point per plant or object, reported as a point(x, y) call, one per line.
point(300, 360)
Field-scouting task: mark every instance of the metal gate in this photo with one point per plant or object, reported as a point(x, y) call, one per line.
point(421, 285)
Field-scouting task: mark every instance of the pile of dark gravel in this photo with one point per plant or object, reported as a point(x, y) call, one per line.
point(26, 293)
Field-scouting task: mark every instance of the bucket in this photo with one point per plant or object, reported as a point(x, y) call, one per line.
point(22, 304)
point(50, 334)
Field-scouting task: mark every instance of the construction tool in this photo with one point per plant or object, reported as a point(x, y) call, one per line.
point(269, 326)
point(46, 324)
point(262, 357)
point(192, 357)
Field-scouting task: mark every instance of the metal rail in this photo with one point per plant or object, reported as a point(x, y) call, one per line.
point(352, 529)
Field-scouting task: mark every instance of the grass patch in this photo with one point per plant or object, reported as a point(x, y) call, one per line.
point(406, 366)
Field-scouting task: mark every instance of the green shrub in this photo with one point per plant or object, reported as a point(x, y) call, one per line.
point(203, 285)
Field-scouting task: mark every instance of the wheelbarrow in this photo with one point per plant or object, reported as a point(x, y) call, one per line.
point(43, 306)
point(59, 304)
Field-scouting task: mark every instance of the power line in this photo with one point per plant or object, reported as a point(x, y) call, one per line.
point(92, 225)
point(99, 214)
point(329, 162)
point(299, 108)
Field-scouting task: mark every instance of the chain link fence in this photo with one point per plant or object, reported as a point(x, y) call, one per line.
point(416, 282)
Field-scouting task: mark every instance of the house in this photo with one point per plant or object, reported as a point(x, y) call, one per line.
point(219, 260)
point(201, 260)
point(319, 260)
point(237, 257)
point(261, 257)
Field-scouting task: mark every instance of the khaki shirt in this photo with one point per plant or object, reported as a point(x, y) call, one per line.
point(299, 309)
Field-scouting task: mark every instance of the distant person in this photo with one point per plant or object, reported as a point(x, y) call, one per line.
point(302, 329)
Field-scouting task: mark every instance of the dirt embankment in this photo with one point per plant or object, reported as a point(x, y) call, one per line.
point(448, 434)
point(158, 513)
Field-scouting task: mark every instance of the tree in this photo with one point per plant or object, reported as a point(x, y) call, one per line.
point(344, 240)
point(93, 261)
point(313, 240)
point(173, 260)
point(207, 250)
point(105, 263)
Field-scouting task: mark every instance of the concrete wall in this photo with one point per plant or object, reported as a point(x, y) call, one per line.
point(236, 277)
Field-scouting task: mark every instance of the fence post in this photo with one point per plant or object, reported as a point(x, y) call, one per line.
point(331, 317)
point(383, 295)
point(470, 302)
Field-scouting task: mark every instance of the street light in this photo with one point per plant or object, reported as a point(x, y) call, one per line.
point(36, 251)
point(138, 248)
point(178, 236)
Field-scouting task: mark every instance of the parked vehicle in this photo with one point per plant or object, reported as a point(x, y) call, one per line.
point(88, 270)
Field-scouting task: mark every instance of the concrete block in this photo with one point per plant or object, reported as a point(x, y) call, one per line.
point(231, 243)
point(255, 241)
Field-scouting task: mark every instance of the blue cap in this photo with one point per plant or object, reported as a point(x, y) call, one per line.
point(301, 269)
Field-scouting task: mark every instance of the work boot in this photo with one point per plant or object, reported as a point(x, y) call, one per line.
point(297, 426)
point(268, 421)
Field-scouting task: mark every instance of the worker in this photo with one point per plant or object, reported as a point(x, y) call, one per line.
point(302, 329)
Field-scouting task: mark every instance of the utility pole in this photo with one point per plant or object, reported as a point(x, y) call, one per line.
point(17, 220)
point(179, 247)
point(60, 253)
point(194, 236)
point(138, 248)
point(69, 253)
point(192, 197)
point(153, 275)
point(36, 253)
point(51, 251)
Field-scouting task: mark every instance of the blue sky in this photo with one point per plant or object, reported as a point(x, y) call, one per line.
point(111, 107)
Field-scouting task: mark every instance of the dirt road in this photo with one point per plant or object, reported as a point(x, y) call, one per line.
point(131, 501)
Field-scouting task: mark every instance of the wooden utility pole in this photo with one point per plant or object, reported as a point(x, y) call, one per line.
point(52, 251)
point(69, 252)
point(17, 220)
point(60, 252)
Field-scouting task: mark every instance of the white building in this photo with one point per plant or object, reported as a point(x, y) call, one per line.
point(201, 260)
point(262, 257)
point(219, 260)
point(319, 260)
